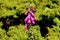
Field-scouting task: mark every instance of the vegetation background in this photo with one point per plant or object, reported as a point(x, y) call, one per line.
point(12, 16)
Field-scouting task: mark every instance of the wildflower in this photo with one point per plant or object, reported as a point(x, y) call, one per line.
point(30, 19)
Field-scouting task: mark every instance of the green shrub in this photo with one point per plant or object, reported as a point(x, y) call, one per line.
point(47, 16)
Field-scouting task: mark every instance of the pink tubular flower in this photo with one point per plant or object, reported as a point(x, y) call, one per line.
point(27, 18)
point(32, 14)
point(33, 20)
point(29, 21)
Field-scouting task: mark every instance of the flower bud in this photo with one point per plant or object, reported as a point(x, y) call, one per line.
point(26, 27)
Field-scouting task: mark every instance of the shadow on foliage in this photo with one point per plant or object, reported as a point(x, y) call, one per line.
point(58, 16)
point(48, 5)
point(12, 21)
point(45, 22)
point(56, 2)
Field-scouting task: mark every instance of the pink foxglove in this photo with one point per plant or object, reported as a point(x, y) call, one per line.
point(30, 19)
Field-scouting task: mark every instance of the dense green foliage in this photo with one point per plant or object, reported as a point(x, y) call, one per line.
point(47, 25)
